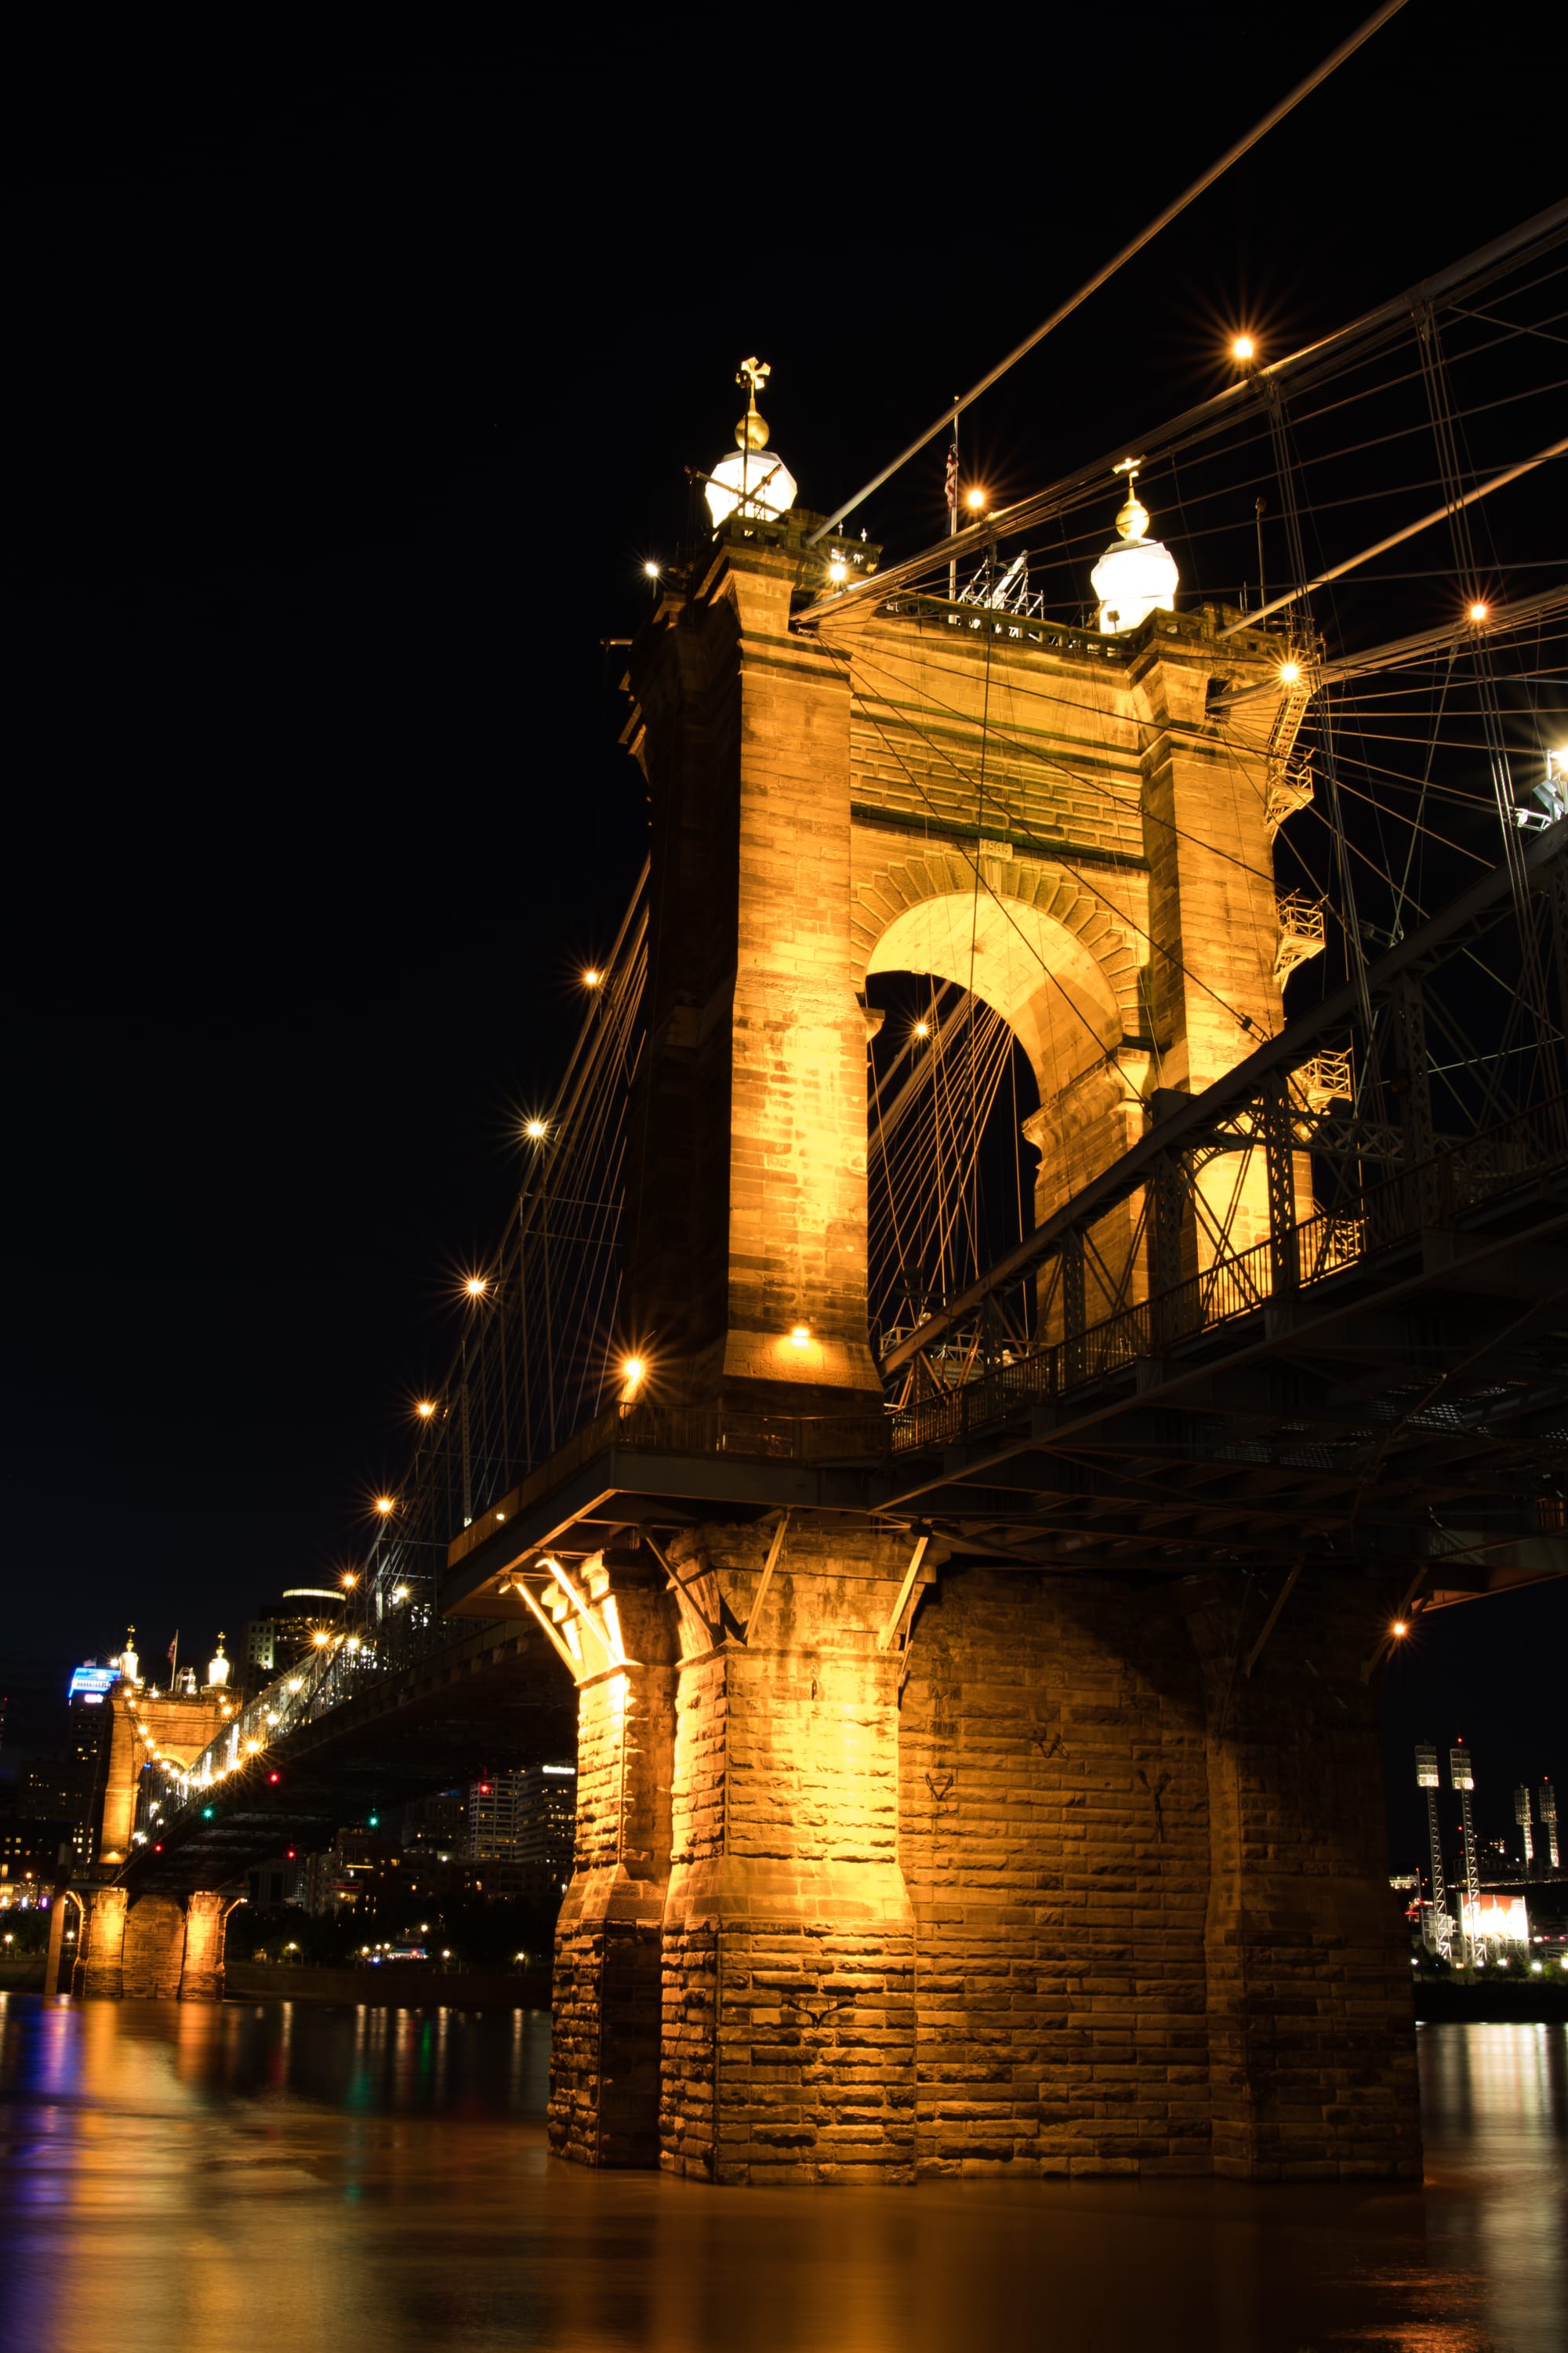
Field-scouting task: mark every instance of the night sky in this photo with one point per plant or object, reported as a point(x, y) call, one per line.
point(349, 396)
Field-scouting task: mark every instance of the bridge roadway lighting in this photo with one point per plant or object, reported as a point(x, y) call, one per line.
point(632, 1370)
point(1289, 672)
point(650, 570)
point(592, 978)
point(1478, 612)
point(535, 1130)
point(477, 1285)
point(1244, 349)
point(424, 1409)
point(1399, 1630)
point(349, 1580)
point(385, 1506)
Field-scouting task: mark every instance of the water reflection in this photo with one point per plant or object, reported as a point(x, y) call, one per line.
point(183, 2179)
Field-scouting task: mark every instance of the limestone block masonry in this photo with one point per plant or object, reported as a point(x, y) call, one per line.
point(1028, 1875)
point(152, 1948)
point(1041, 1892)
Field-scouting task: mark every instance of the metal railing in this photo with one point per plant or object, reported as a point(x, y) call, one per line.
point(1467, 1175)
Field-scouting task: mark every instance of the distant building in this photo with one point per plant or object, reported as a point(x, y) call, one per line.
point(438, 1827)
point(284, 1632)
point(521, 1828)
point(348, 1870)
point(30, 1847)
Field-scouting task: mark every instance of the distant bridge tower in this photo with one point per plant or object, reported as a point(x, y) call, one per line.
point(145, 1945)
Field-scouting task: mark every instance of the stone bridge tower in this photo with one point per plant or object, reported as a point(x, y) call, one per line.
point(142, 1947)
point(1041, 1891)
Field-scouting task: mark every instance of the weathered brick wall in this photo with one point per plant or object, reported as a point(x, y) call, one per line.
point(1085, 1898)
point(1153, 1930)
point(1055, 1845)
point(1060, 756)
point(200, 1969)
point(102, 1968)
point(154, 1949)
point(1312, 2037)
point(605, 2052)
point(788, 1956)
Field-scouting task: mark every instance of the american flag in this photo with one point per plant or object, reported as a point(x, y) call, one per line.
point(952, 482)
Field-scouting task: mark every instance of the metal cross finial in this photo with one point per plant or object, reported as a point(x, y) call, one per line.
point(1128, 466)
point(753, 372)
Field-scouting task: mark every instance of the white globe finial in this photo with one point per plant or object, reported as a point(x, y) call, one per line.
point(1137, 577)
point(218, 1666)
point(748, 481)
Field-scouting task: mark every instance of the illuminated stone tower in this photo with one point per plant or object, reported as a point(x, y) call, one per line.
point(1049, 1890)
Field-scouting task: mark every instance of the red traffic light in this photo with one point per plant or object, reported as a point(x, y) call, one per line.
point(273, 1777)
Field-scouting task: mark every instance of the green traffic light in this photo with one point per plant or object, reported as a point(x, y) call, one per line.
point(206, 1813)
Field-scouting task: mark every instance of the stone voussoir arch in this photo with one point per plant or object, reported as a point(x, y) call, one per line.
point(881, 892)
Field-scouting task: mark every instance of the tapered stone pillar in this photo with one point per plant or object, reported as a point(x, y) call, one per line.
point(789, 2024)
point(748, 1218)
point(103, 1977)
point(61, 1913)
point(1311, 2051)
point(605, 2045)
point(201, 1971)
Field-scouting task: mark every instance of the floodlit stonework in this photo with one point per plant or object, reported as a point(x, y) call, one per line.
point(1022, 1875)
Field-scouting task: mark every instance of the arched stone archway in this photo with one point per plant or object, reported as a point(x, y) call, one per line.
point(1061, 967)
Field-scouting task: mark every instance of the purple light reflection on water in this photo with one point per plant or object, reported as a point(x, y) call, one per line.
point(186, 2179)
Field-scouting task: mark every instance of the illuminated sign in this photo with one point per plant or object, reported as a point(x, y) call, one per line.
point(92, 1684)
point(1502, 1917)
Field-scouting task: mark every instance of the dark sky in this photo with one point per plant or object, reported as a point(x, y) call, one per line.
point(349, 394)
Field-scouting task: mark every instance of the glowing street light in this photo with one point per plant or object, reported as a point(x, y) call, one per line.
point(801, 1335)
point(349, 1580)
point(1399, 1630)
point(424, 1409)
point(974, 500)
point(922, 1029)
point(536, 1130)
point(477, 1285)
point(650, 569)
point(839, 570)
point(591, 979)
point(385, 1506)
point(1477, 612)
point(1243, 349)
point(632, 1370)
point(1289, 672)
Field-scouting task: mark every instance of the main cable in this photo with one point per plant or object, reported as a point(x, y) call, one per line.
point(1233, 155)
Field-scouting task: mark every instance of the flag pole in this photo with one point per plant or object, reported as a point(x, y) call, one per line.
point(953, 509)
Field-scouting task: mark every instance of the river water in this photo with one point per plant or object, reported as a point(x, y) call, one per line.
point(293, 2179)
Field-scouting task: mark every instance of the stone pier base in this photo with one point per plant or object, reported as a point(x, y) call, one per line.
point(149, 1948)
point(1057, 1889)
